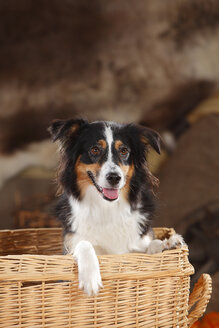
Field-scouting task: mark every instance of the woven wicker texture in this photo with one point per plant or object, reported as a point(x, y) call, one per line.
point(140, 290)
point(31, 241)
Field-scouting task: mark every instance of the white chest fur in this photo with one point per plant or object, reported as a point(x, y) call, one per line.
point(111, 227)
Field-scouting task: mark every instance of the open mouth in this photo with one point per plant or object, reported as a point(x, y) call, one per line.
point(107, 193)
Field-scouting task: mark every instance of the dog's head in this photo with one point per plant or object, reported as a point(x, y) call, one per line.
point(108, 156)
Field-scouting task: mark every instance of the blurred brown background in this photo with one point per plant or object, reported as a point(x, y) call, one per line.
point(153, 62)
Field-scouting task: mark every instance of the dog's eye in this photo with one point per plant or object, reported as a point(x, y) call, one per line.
point(123, 151)
point(95, 151)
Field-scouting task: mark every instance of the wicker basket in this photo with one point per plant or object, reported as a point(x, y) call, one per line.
point(140, 290)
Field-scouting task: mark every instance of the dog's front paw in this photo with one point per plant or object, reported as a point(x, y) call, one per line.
point(175, 241)
point(155, 246)
point(88, 268)
point(90, 282)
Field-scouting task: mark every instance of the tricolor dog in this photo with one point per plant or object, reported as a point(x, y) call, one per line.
point(107, 200)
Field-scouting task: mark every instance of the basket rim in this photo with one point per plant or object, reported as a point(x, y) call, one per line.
point(30, 229)
point(45, 267)
point(63, 267)
point(60, 229)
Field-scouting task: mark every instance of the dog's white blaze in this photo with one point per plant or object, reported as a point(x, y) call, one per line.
point(109, 141)
point(109, 165)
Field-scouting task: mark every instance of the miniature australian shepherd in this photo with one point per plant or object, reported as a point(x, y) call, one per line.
point(107, 200)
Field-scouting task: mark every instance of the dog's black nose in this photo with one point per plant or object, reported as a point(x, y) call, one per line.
point(113, 178)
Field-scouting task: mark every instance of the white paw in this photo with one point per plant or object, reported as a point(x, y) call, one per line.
point(90, 281)
point(175, 241)
point(88, 268)
point(158, 246)
point(155, 246)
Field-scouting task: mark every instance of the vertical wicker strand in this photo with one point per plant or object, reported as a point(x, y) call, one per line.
point(117, 282)
point(43, 304)
point(70, 305)
point(117, 297)
point(158, 295)
point(19, 295)
point(116, 301)
point(137, 302)
point(157, 302)
point(43, 295)
point(19, 303)
point(176, 305)
point(95, 311)
point(185, 311)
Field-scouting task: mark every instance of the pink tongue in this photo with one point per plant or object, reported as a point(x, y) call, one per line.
point(111, 193)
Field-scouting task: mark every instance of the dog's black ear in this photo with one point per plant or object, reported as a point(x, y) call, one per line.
point(63, 129)
point(151, 137)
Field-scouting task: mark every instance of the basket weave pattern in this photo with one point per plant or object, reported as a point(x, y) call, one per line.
point(140, 290)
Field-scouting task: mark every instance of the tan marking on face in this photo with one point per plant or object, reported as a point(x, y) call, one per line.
point(83, 179)
point(102, 143)
point(125, 169)
point(74, 128)
point(118, 143)
point(144, 140)
point(128, 171)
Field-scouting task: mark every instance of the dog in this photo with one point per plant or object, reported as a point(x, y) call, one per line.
point(106, 200)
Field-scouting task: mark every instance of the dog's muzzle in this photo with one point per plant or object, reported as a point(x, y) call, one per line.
point(109, 194)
